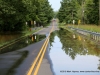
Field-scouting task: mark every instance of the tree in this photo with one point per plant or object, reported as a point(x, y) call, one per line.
point(44, 13)
point(68, 11)
point(92, 11)
point(14, 14)
point(85, 10)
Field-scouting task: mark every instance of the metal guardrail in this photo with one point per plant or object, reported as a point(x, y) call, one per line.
point(90, 32)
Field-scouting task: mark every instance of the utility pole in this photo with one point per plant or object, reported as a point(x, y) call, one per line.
point(83, 12)
point(72, 15)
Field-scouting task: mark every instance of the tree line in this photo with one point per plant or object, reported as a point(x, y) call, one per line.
point(87, 11)
point(15, 13)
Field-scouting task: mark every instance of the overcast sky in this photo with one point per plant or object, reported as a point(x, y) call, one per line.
point(55, 4)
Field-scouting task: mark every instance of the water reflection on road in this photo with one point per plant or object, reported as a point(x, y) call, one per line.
point(73, 56)
point(6, 38)
point(21, 43)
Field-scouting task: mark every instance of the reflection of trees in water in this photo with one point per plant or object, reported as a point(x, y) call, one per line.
point(99, 63)
point(75, 46)
point(22, 43)
point(92, 48)
point(72, 46)
point(52, 37)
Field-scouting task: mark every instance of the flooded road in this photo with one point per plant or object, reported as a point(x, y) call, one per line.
point(7, 38)
point(73, 55)
point(21, 43)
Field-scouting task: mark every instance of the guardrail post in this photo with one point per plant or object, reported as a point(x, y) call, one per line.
point(98, 38)
point(93, 36)
point(90, 36)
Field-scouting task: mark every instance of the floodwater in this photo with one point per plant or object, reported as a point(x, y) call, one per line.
point(72, 54)
point(6, 38)
point(21, 43)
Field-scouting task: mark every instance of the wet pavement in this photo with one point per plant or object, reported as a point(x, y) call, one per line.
point(11, 54)
point(45, 68)
point(46, 65)
point(25, 44)
point(7, 60)
point(73, 55)
point(67, 54)
point(27, 63)
point(21, 43)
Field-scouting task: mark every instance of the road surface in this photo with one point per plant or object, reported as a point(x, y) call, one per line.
point(45, 68)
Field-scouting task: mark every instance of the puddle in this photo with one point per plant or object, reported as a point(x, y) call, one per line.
point(23, 42)
point(73, 55)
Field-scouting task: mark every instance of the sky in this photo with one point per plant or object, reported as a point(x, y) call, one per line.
point(55, 4)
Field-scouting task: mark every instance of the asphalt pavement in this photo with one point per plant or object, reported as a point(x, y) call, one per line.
point(46, 65)
point(45, 68)
point(8, 59)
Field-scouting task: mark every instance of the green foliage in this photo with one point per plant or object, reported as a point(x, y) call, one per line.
point(92, 11)
point(14, 13)
point(85, 10)
point(55, 14)
point(45, 12)
point(67, 11)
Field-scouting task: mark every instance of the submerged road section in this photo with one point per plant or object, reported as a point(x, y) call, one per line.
point(73, 55)
point(46, 65)
point(31, 63)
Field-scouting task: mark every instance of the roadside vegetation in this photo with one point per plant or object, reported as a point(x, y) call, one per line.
point(19, 17)
point(87, 11)
point(16, 16)
point(92, 28)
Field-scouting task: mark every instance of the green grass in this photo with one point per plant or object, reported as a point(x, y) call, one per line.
point(61, 24)
point(64, 26)
point(31, 32)
point(93, 28)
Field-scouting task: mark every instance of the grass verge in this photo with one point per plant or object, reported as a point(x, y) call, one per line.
point(93, 28)
point(63, 26)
